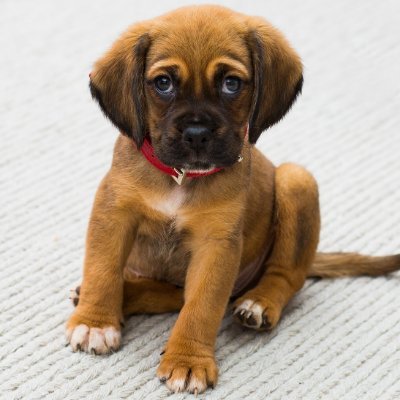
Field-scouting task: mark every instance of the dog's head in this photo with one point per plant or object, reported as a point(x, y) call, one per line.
point(193, 80)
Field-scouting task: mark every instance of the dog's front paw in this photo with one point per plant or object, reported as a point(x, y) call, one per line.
point(93, 337)
point(191, 372)
point(260, 314)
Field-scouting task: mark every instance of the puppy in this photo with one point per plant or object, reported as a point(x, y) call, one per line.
point(191, 214)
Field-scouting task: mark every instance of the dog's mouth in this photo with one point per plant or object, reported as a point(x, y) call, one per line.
point(200, 163)
point(221, 152)
point(195, 164)
point(199, 166)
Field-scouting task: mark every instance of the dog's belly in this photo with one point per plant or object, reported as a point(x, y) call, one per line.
point(159, 252)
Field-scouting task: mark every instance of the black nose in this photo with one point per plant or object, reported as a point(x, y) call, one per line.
point(196, 136)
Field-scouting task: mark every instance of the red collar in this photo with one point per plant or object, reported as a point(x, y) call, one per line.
point(177, 174)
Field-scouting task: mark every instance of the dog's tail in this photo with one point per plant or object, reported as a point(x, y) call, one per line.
point(334, 265)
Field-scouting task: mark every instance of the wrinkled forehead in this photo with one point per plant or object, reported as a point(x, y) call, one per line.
point(198, 49)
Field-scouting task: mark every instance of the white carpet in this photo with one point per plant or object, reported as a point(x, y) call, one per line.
point(337, 340)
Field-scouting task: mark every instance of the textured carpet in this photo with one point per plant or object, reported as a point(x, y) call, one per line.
point(337, 339)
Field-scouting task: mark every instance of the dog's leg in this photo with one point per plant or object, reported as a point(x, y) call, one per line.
point(95, 324)
point(188, 362)
point(145, 296)
point(297, 225)
point(151, 297)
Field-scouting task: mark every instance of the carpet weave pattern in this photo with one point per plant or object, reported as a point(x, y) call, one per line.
point(338, 339)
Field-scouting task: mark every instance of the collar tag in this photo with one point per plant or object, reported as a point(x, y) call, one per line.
point(181, 176)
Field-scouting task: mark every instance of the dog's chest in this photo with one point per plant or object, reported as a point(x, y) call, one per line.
point(170, 204)
point(160, 249)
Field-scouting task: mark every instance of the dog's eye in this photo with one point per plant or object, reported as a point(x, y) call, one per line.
point(231, 85)
point(163, 84)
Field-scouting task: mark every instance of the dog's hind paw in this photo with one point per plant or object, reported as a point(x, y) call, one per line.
point(74, 295)
point(256, 314)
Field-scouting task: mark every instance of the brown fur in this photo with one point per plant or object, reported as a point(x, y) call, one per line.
point(137, 250)
point(334, 265)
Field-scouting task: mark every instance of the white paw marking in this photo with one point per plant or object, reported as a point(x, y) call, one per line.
point(196, 386)
point(176, 385)
point(94, 340)
point(248, 308)
point(79, 337)
point(113, 338)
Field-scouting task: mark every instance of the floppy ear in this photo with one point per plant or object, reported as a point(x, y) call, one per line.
point(117, 82)
point(277, 76)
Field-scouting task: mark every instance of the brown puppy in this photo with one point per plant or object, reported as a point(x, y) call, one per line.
point(200, 84)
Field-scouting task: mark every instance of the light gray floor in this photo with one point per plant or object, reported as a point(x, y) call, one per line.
point(338, 339)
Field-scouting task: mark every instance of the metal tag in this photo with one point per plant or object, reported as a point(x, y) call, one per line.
point(181, 176)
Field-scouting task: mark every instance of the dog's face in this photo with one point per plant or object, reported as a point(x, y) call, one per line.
point(198, 91)
point(193, 80)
